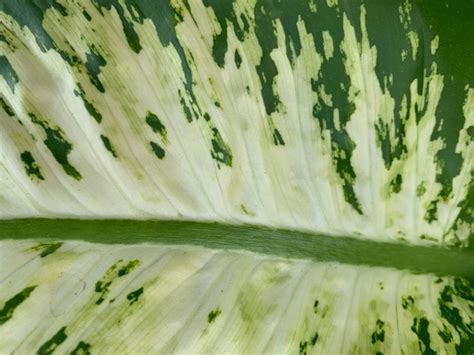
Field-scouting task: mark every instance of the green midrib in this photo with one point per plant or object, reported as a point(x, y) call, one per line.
point(278, 242)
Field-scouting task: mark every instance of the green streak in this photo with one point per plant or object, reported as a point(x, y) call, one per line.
point(8, 73)
point(277, 242)
point(47, 248)
point(108, 145)
point(420, 328)
point(127, 268)
point(220, 150)
point(82, 348)
point(31, 168)
point(6, 313)
point(156, 125)
point(379, 333)
point(57, 145)
point(277, 138)
point(53, 343)
point(211, 317)
point(134, 295)
point(159, 152)
point(237, 58)
point(93, 64)
point(6, 107)
point(87, 104)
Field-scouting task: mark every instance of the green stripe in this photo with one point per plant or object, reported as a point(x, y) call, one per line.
point(277, 242)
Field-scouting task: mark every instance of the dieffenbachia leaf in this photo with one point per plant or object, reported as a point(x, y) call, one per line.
point(320, 120)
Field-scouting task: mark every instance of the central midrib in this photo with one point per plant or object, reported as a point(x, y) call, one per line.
point(278, 242)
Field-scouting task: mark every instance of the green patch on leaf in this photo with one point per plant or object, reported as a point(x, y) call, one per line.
point(220, 150)
point(57, 145)
point(135, 295)
point(108, 145)
point(211, 317)
point(237, 58)
point(156, 125)
point(303, 348)
point(132, 264)
point(187, 112)
point(407, 302)
point(102, 287)
point(87, 104)
point(277, 138)
point(159, 152)
point(31, 168)
point(396, 184)
point(8, 73)
point(86, 15)
point(47, 248)
point(379, 334)
point(6, 107)
point(82, 348)
point(431, 213)
point(451, 314)
point(93, 64)
point(420, 328)
point(6, 313)
point(50, 346)
point(315, 306)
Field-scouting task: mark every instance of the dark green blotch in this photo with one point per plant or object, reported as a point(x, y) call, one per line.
point(213, 315)
point(87, 104)
point(314, 339)
point(466, 214)
point(379, 334)
point(82, 348)
point(187, 112)
point(420, 328)
point(396, 184)
point(224, 11)
point(86, 15)
point(93, 64)
point(6, 313)
point(277, 138)
point(58, 146)
point(446, 335)
point(452, 315)
point(156, 125)
point(390, 152)
point(3, 39)
point(51, 345)
point(31, 168)
point(127, 26)
point(30, 14)
point(8, 73)
point(237, 58)
point(220, 150)
point(127, 268)
point(464, 288)
point(315, 306)
point(135, 295)
point(102, 288)
point(303, 347)
point(431, 213)
point(60, 8)
point(165, 16)
point(108, 145)
point(6, 107)
point(47, 248)
point(159, 152)
point(407, 301)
